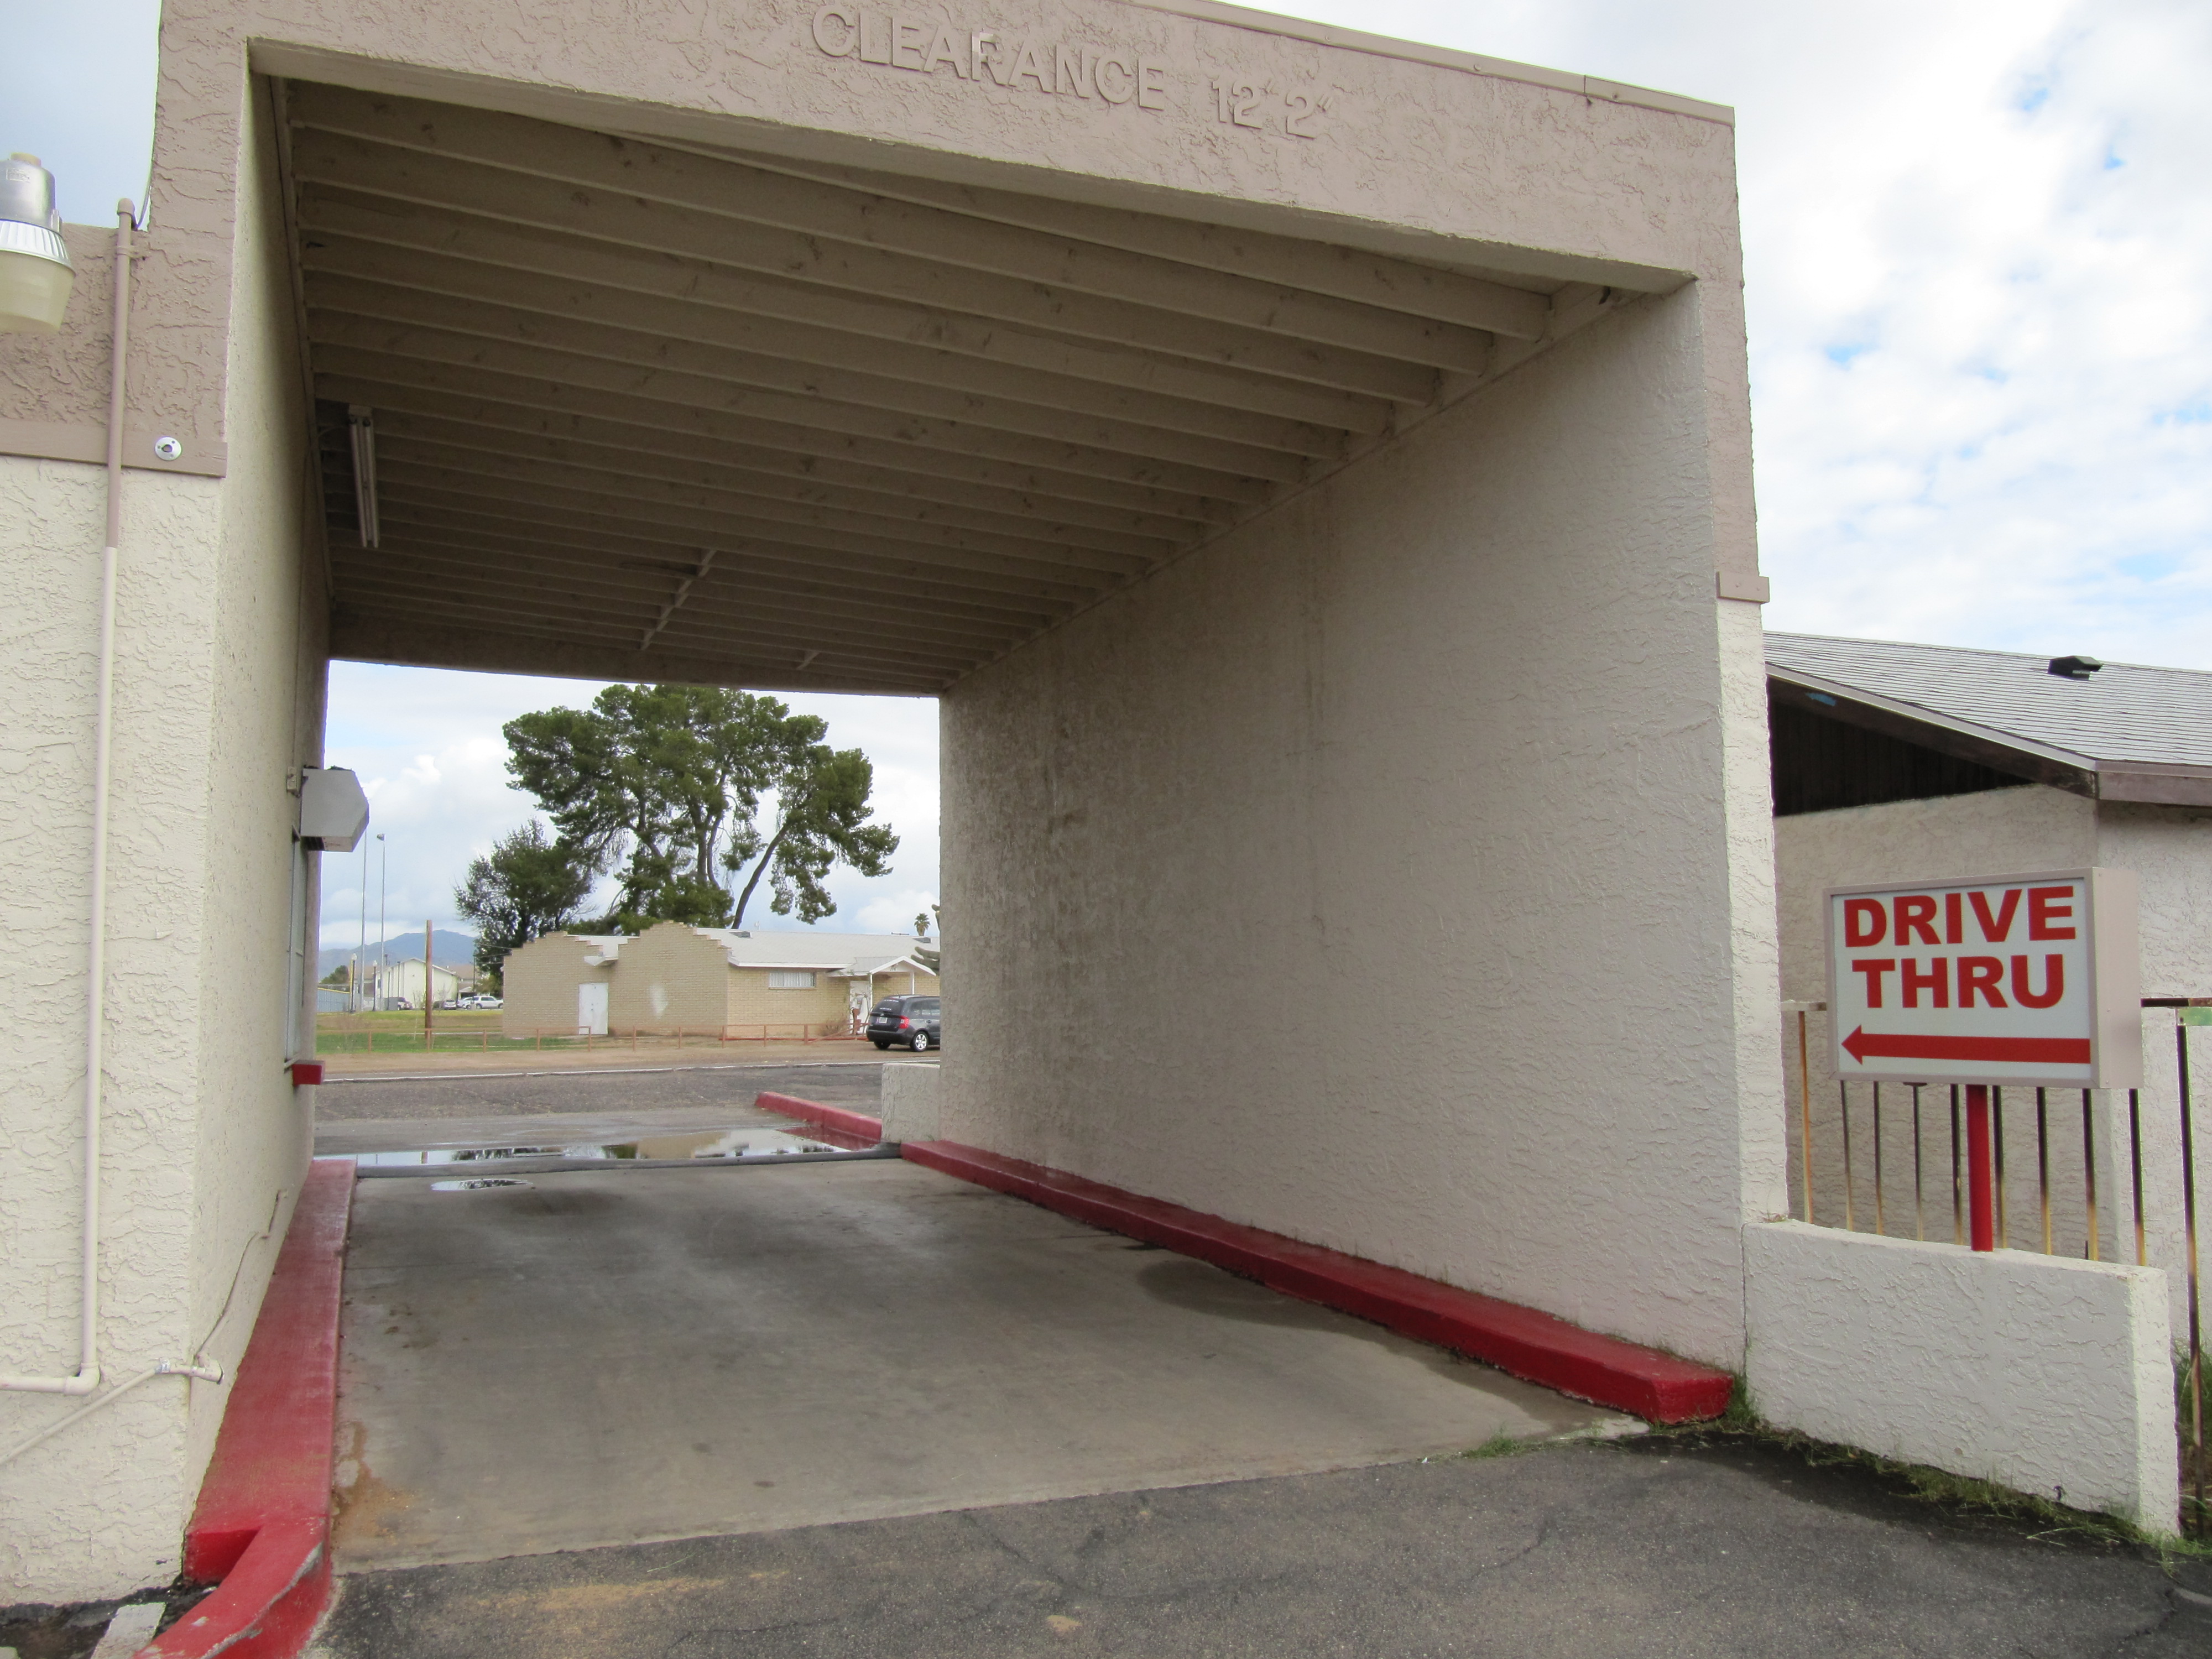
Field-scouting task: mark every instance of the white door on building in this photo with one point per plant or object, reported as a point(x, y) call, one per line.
point(591, 1009)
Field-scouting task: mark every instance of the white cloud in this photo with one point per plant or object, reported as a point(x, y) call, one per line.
point(1978, 238)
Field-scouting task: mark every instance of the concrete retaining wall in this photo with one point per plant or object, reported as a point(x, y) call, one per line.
point(2048, 1374)
point(910, 1102)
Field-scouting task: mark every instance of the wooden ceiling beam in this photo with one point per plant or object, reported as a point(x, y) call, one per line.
point(1173, 469)
point(502, 424)
point(350, 278)
point(360, 634)
point(368, 166)
point(344, 221)
point(733, 590)
point(1345, 273)
point(705, 512)
point(397, 625)
point(624, 473)
point(347, 376)
point(753, 374)
point(984, 572)
point(864, 583)
point(587, 612)
point(481, 538)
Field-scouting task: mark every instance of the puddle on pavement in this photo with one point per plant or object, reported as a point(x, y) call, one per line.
point(720, 1144)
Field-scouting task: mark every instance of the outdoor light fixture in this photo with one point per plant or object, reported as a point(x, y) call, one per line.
point(35, 273)
point(360, 428)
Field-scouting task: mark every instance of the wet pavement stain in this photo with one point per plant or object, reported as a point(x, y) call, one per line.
point(361, 1506)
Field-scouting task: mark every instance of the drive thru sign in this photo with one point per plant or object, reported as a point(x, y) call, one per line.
point(2002, 979)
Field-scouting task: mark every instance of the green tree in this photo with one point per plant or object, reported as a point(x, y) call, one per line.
point(821, 813)
point(527, 887)
point(664, 784)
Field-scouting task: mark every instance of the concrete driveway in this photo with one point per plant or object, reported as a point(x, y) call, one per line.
point(608, 1359)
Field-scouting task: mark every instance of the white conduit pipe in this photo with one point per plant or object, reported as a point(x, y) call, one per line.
point(88, 1365)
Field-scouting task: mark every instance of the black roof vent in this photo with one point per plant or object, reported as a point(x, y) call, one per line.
point(2075, 668)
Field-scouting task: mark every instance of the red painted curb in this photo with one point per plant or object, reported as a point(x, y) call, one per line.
point(855, 1130)
point(1537, 1346)
point(262, 1525)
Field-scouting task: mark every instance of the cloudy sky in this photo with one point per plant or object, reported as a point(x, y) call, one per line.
point(1979, 268)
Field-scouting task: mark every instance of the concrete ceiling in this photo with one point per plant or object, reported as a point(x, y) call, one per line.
point(643, 411)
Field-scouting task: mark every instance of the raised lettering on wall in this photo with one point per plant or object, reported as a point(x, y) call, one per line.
point(1102, 76)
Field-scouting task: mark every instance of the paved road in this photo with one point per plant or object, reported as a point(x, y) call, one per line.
point(857, 1083)
point(1709, 1547)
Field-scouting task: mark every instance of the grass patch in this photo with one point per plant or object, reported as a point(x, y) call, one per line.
point(1500, 1444)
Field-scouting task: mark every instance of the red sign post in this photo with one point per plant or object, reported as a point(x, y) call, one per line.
point(1993, 979)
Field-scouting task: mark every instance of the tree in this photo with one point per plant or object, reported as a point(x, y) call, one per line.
point(664, 784)
point(528, 886)
point(822, 802)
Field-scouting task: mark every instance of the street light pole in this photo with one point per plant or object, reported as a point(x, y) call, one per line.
point(383, 883)
point(353, 980)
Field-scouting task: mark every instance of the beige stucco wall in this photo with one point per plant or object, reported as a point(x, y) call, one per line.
point(539, 981)
point(2170, 850)
point(1467, 720)
point(2002, 831)
point(218, 694)
point(1994, 832)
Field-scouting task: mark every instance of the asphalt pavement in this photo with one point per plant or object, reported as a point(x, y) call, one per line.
point(1706, 1545)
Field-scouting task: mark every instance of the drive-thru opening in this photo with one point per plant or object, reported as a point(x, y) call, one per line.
point(1315, 485)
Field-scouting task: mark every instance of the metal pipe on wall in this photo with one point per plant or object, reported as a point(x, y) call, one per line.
point(87, 1378)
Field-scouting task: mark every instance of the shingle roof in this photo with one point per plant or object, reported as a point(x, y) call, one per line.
point(2123, 719)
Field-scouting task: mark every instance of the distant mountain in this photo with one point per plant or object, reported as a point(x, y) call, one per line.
point(447, 950)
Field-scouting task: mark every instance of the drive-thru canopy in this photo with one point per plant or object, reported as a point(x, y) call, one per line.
point(1313, 471)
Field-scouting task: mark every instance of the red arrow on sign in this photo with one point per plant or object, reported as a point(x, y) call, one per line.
point(1862, 1044)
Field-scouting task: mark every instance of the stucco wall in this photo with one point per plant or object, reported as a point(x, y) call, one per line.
point(218, 694)
point(2030, 828)
point(2049, 1375)
point(2170, 850)
point(539, 984)
point(1391, 873)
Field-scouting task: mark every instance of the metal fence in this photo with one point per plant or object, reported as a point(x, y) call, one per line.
point(2098, 1175)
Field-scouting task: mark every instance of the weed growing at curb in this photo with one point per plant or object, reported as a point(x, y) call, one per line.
point(1961, 1494)
point(1500, 1444)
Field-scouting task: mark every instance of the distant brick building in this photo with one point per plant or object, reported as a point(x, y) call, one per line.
point(673, 977)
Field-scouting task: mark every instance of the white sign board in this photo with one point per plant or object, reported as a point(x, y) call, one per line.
point(2001, 979)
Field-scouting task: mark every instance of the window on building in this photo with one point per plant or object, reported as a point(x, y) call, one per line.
point(790, 979)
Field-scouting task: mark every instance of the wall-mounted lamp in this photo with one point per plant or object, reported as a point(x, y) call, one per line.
point(35, 273)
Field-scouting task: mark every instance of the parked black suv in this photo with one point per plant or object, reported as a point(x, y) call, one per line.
point(911, 1021)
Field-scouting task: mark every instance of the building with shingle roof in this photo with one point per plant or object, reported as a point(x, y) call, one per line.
point(736, 982)
point(1926, 761)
